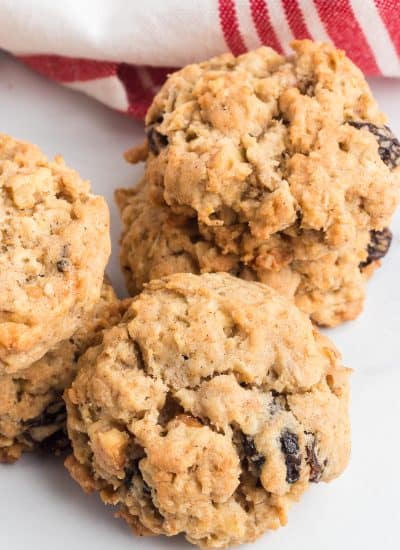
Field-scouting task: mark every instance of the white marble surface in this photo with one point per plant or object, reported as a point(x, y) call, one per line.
point(41, 508)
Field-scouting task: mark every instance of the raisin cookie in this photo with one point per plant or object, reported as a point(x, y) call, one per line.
point(32, 411)
point(208, 410)
point(327, 284)
point(50, 271)
point(280, 160)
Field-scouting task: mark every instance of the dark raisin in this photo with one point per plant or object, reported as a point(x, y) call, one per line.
point(316, 468)
point(156, 139)
point(255, 459)
point(63, 265)
point(378, 246)
point(292, 468)
point(289, 443)
point(290, 448)
point(388, 144)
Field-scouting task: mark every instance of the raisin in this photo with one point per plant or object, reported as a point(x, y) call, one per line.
point(388, 144)
point(63, 265)
point(255, 460)
point(157, 141)
point(378, 246)
point(292, 468)
point(316, 469)
point(290, 448)
point(289, 443)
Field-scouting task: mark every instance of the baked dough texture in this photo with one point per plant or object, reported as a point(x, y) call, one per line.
point(32, 411)
point(54, 246)
point(208, 410)
point(329, 285)
point(282, 162)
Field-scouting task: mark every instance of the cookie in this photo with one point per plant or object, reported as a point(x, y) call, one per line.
point(279, 160)
point(328, 285)
point(50, 271)
point(208, 410)
point(32, 411)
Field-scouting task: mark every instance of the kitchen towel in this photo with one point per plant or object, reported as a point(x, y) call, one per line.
point(121, 51)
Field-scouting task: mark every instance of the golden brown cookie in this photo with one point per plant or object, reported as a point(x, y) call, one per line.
point(283, 162)
point(32, 411)
point(208, 410)
point(329, 285)
point(54, 245)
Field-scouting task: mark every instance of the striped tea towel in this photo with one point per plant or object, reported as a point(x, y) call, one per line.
point(121, 51)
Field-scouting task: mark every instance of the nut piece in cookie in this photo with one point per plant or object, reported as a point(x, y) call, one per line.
point(32, 410)
point(54, 246)
point(208, 410)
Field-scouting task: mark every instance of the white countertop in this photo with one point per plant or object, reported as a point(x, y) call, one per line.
point(42, 508)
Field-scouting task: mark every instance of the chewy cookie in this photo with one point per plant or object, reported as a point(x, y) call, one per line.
point(156, 242)
point(32, 411)
point(208, 410)
point(285, 163)
point(50, 270)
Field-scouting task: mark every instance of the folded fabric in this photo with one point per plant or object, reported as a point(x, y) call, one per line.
point(120, 52)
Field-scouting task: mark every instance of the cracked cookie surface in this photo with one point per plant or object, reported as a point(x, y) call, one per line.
point(284, 162)
point(328, 285)
point(208, 410)
point(32, 411)
point(50, 271)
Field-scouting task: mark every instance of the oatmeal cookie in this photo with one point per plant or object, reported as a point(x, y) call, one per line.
point(32, 411)
point(208, 410)
point(280, 161)
point(329, 285)
point(262, 143)
point(54, 245)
